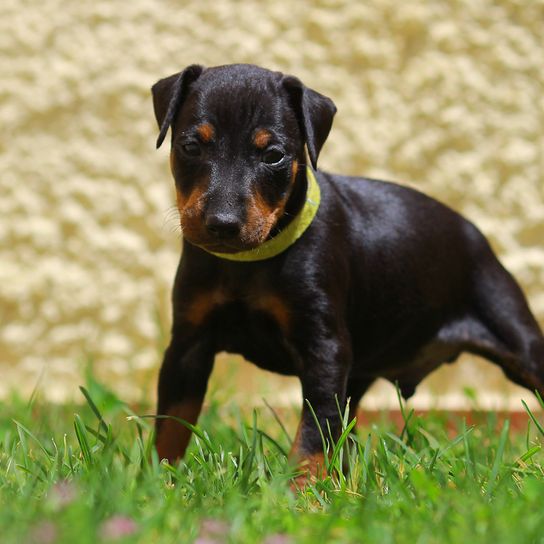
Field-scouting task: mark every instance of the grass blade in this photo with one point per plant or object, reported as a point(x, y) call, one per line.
point(405, 418)
point(533, 418)
point(498, 457)
point(94, 409)
point(81, 435)
point(469, 462)
point(528, 454)
point(323, 440)
point(341, 441)
point(248, 463)
point(279, 422)
point(193, 428)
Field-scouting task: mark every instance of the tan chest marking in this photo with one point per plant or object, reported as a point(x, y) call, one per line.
point(276, 307)
point(203, 304)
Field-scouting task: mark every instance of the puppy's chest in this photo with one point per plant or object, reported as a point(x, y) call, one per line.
point(254, 322)
point(240, 304)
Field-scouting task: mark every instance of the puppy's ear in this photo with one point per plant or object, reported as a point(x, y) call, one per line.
point(314, 112)
point(168, 95)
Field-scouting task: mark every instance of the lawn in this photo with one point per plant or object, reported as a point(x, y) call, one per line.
point(87, 473)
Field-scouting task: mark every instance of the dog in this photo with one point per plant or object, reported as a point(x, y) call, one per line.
point(336, 280)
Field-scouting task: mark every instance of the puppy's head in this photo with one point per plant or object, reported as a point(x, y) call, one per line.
point(237, 148)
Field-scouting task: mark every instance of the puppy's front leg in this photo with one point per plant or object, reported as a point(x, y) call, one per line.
point(324, 378)
point(183, 381)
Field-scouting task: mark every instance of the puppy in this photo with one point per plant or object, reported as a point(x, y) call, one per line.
point(334, 279)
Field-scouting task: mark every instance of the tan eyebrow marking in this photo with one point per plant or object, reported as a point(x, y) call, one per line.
point(262, 138)
point(206, 132)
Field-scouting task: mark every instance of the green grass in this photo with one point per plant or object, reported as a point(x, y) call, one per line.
point(87, 473)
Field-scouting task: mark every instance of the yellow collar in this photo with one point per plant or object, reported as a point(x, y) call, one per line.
point(288, 236)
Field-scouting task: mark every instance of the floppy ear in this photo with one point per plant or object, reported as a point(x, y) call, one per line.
point(314, 112)
point(168, 95)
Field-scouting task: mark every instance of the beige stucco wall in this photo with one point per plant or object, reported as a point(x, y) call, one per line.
point(445, 95)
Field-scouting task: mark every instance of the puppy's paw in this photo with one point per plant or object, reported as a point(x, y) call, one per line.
point(312, 469)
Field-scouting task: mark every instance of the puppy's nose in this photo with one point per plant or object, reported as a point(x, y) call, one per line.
point(223, 225)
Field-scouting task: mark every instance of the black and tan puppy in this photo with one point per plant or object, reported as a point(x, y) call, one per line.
point(332, 279)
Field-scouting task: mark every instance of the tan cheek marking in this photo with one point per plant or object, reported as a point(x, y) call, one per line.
point(195, 199)
point(206, 132)
point(254, 230)
point(191, 208)
point(260, 216)
point(172, 162)
point(180, 200)
point(277, 308)
point(202, 305)
point(262, 138)
point(294, 170)
point(173, 437)
point(260, 220)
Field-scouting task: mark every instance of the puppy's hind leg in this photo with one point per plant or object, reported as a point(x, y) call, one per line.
point(502, 308)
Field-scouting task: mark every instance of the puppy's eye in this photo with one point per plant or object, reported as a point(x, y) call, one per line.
point(191, 149)
point(272, 156)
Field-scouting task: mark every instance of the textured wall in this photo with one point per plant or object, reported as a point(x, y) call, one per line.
point(445, 95)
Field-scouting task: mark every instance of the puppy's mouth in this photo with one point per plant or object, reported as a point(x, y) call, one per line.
point(214, 246)
point(250, 237)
